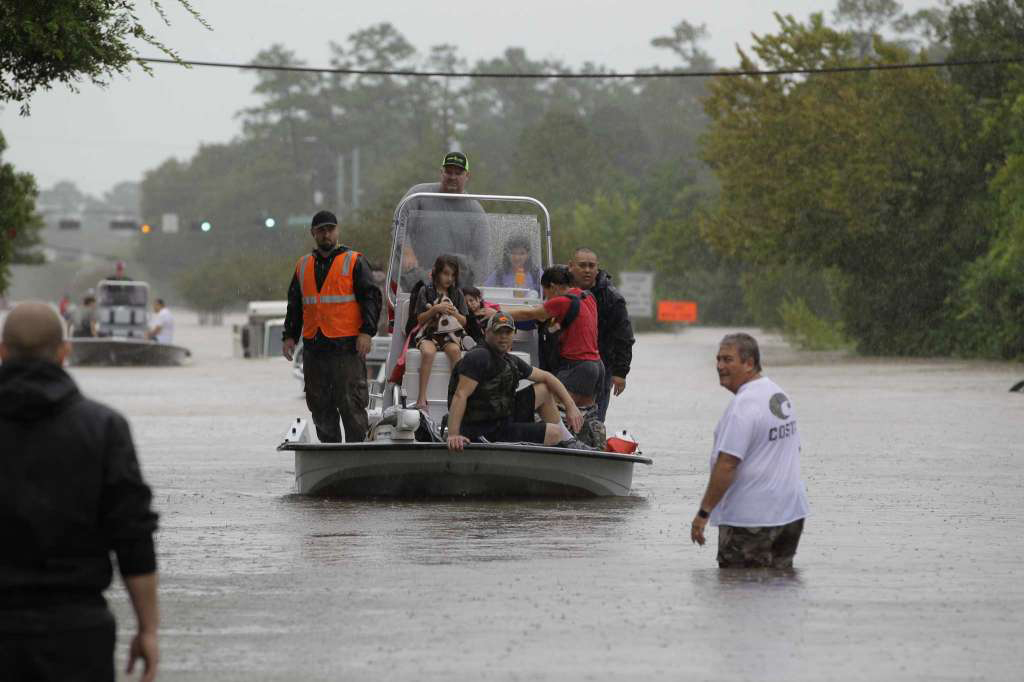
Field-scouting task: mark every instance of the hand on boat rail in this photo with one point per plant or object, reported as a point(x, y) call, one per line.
point(457, 443)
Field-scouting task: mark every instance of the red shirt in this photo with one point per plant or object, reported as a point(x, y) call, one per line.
point(579, 341)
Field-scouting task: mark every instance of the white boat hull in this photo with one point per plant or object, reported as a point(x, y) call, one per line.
point(395, 469)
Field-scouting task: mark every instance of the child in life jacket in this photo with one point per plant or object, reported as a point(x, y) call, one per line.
point(440, 312)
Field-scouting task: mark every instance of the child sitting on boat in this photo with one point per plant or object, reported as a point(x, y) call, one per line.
point(440, 312)
point(481, 310)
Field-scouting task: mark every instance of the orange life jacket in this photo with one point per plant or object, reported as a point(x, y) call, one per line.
point(333, 310)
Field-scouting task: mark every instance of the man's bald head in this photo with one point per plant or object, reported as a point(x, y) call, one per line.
point(33, 331)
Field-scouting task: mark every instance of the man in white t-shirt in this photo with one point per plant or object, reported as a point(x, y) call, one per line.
point(161, 327)
point(755, 495)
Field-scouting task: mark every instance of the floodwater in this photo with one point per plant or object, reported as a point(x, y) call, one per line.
point(911, 565)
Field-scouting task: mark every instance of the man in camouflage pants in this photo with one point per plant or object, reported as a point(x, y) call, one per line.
point(755, 495)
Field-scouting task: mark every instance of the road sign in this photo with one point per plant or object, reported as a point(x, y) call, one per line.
point(638, 290)
point(677, 311)
point(169, 223)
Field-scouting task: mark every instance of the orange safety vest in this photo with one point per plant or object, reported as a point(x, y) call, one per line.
point(333, 310)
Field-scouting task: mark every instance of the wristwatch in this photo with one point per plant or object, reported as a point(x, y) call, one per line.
point(703, 514)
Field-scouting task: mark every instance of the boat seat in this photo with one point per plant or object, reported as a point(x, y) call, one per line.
point(437, 385)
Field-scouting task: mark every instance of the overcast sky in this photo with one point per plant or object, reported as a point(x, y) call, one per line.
point(99, 137)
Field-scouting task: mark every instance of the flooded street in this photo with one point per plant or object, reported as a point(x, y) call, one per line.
point(911, 566)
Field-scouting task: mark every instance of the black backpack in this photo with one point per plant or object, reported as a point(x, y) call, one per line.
point(410, 321)
point(550, 341)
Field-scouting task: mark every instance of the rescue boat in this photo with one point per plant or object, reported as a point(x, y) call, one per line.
point(122, 316)
point(406, 452)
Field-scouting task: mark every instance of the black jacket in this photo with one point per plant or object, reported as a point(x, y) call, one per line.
point(614, 330)
point(70, 493)
point(368, 297)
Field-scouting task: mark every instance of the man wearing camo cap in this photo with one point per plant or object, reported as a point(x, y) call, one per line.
point(484, 405)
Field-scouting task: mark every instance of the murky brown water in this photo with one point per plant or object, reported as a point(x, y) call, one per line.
point(910, 567)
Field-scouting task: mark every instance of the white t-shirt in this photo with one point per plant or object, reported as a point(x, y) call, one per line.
point(759, 427)
point(165, 321)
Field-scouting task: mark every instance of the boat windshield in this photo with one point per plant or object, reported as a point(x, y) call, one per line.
point(122, 295)
point(493, 249)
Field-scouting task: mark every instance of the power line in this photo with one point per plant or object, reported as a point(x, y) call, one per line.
point(589, 76)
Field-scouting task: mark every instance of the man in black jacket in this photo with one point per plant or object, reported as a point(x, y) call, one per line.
point(614, 329)
point(70, 493)
point(333, 365)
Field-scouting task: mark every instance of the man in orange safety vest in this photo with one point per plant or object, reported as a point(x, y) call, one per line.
point(333, 306)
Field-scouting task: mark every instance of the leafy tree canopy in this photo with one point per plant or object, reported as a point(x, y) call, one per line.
point(67, 41)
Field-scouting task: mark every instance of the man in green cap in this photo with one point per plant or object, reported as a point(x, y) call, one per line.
point(436, 226)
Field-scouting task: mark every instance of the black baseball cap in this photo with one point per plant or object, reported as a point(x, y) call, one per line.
point(457, 159)
point(323, 218)
point(499, 320)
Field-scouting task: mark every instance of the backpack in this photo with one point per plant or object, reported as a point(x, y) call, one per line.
point(550, 341)
point(410, 320)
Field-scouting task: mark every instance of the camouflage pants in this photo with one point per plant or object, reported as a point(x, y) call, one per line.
point(764, 547)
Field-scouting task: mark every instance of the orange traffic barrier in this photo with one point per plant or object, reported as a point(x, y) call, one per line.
point(677, 311)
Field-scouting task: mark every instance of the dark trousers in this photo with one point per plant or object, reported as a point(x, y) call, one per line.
point(80, 655)
point(604, 395)
point(336, 386)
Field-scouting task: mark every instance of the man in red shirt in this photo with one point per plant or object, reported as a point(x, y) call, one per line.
point(570, 348)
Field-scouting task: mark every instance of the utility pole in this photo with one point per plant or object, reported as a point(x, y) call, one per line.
point(340, 185)
point(355, 179)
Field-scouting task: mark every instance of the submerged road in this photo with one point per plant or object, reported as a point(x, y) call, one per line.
point(911, 566)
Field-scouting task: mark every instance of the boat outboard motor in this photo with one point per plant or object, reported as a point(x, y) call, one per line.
point(397, 424)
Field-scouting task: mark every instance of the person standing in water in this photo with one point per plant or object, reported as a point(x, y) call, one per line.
point(71, 493)
point(755, 495)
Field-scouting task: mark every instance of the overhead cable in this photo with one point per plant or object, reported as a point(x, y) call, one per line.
point(592, 76)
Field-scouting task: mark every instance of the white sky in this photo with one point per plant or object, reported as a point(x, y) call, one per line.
point(99, 137)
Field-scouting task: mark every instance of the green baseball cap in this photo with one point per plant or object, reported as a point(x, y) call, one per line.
point(457, 159)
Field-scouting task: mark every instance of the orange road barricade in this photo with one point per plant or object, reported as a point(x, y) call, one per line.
point(677, 311)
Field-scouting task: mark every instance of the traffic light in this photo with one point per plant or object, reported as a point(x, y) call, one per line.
point(270, 222)
point(146, 228)
point(206, 226)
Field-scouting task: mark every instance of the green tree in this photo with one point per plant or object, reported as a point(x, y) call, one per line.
point(990, 302)
point(19, 222)
point(864, 173)
point(67, 41)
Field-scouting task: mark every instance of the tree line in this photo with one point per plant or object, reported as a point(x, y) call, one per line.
point(875, 209)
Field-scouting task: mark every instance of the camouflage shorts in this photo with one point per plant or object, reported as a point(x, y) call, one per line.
point(764, 547)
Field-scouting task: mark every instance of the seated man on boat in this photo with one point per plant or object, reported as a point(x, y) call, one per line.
point(483, 403)
point(569, 344)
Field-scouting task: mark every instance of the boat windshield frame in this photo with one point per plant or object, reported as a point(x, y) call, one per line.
point(392, 295)
point(106, 288)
